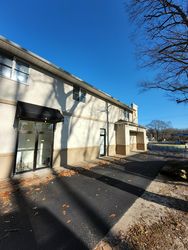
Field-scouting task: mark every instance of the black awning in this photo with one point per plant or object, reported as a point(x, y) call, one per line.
point(27, 111)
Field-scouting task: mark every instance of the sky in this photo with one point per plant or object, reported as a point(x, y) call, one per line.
point(92, 40)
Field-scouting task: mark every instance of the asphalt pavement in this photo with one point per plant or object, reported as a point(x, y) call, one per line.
point(75, 212)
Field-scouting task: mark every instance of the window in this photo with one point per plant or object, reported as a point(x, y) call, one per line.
point(79, 94)
point(13, 68)
point(126, 115)
point(76, 93)
point(5, 66)
point(82, 95)
point(21, 72)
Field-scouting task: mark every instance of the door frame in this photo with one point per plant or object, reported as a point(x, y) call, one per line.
point(104, 138)
point(35, 149)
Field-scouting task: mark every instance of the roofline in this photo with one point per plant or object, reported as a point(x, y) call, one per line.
point(46, 65)
point(130, 124)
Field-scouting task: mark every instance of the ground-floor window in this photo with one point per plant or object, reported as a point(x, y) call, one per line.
point(102, 142)
point(35, 145)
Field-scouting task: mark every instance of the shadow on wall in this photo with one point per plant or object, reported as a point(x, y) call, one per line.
point(86, 135)
point(67, 128)
point(18, 94)
point(59, 95)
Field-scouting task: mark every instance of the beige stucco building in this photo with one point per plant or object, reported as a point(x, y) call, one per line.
point(50, 118)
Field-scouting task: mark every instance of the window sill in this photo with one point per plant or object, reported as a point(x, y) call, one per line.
point(10, 79)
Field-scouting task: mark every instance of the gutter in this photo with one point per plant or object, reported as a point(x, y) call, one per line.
point(18, 51)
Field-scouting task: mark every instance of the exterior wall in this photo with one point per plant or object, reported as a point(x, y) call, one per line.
point(135, 113)
point(129, 138)
point(120, 139)
point(141, 141)
point(7, 139)
point(76, 139)
point(135, 138)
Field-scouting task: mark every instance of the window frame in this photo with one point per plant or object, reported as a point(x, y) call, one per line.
point(76, 91)
point(6, 65)
point(79, 94)
point(82, 95)
point(13, 69)
point(126, 115)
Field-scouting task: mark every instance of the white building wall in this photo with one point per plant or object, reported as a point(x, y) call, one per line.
point(7, 130)
point(81, 128)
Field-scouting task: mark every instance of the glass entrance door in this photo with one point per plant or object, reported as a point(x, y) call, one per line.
point(34, 151)
point(26, 146)
point(102, 149)
point(44, 144)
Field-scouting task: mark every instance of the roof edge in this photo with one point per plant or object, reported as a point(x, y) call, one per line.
point(60, 72)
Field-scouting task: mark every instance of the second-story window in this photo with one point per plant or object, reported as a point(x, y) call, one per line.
point(82, 95)
point(21, 72)
point(13, 68)
point(76, 93)
point(79, 94)
point(5, 66)
point(126, 115)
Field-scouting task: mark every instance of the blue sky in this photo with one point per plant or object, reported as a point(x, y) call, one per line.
point(90, 39)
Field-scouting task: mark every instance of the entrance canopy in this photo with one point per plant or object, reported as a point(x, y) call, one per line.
point(27, 111)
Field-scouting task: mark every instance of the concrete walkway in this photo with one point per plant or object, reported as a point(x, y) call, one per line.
point(73, 211)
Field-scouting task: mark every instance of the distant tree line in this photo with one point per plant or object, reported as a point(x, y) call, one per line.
point(158, 130)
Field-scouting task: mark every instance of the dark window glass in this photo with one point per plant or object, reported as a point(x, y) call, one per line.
point(82, 95)
point(126, 114)
point(21, 72)
point(76, 93)
point(24, 68)
point(5, 66)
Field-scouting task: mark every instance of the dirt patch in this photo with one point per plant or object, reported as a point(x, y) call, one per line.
point(157, 220)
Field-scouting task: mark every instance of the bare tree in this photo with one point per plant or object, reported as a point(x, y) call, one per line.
point(156, 127)
point(164, 26)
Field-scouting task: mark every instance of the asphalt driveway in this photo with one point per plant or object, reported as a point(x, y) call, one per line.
point(75, 212)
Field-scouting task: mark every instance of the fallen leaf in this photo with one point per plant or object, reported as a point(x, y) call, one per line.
point(112, 215)
point(69, 221)
point(65, 205)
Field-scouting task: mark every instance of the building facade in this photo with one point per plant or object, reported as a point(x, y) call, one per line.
point(50, 118)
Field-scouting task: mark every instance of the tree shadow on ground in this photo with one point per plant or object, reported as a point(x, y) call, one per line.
point(129, 166)
point(167, 201)
point(37, 225)
point(34, 227)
